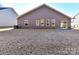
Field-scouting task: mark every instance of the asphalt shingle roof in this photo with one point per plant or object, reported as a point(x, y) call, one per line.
point(2, 8)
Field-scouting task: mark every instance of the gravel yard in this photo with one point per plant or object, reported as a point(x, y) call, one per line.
point(39, 42)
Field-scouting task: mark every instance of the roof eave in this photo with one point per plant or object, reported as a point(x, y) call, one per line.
point(48, 7)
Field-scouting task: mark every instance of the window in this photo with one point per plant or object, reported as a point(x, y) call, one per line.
point(25, 22)
point(37, 22)
point(53, 22)
point(63, 24)
point(47, 22)
point(74, 26)
point(42, 22)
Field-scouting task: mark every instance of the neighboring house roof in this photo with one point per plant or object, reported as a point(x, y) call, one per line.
point(13, 11)
point(3, 8)
point(42, 6)
point(75, 16)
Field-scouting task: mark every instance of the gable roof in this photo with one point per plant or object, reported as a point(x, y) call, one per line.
point(13, 11)
point(40, 7)
point(3, 8)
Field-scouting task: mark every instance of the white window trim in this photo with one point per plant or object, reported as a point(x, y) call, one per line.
point(26, 22)
point(37, 23)
point(47, 22)
point(62, 25)
point(42, 22)
point(53, 22)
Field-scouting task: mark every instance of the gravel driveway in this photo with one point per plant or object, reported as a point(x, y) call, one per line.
point(39, 42)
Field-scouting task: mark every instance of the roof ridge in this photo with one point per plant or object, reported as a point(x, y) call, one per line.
point(46, 6)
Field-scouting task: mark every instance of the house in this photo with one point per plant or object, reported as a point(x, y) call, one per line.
point(7, 17)
point(75, 22)
point(44, 17)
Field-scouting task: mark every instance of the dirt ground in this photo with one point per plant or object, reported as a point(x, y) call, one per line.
point(39, 42)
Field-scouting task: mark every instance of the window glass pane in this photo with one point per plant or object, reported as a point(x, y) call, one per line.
point(53, 22)
point(42, 22)
point(47, 22)
point(63, 24)
point(26, 22)
point(37, 22)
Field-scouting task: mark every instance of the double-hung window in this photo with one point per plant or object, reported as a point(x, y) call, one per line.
point(42, 22)
point(37, 22)
point(26, 22)
point(53, 22)
point(47, 22)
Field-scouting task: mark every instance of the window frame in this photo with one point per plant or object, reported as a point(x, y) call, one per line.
point(53, 21)
point(37, 22)
point(48, 22)
point(63, 24)
point(42, 22)
point(26, 22)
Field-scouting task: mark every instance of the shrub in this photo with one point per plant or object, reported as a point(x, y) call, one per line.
point(16, 27)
